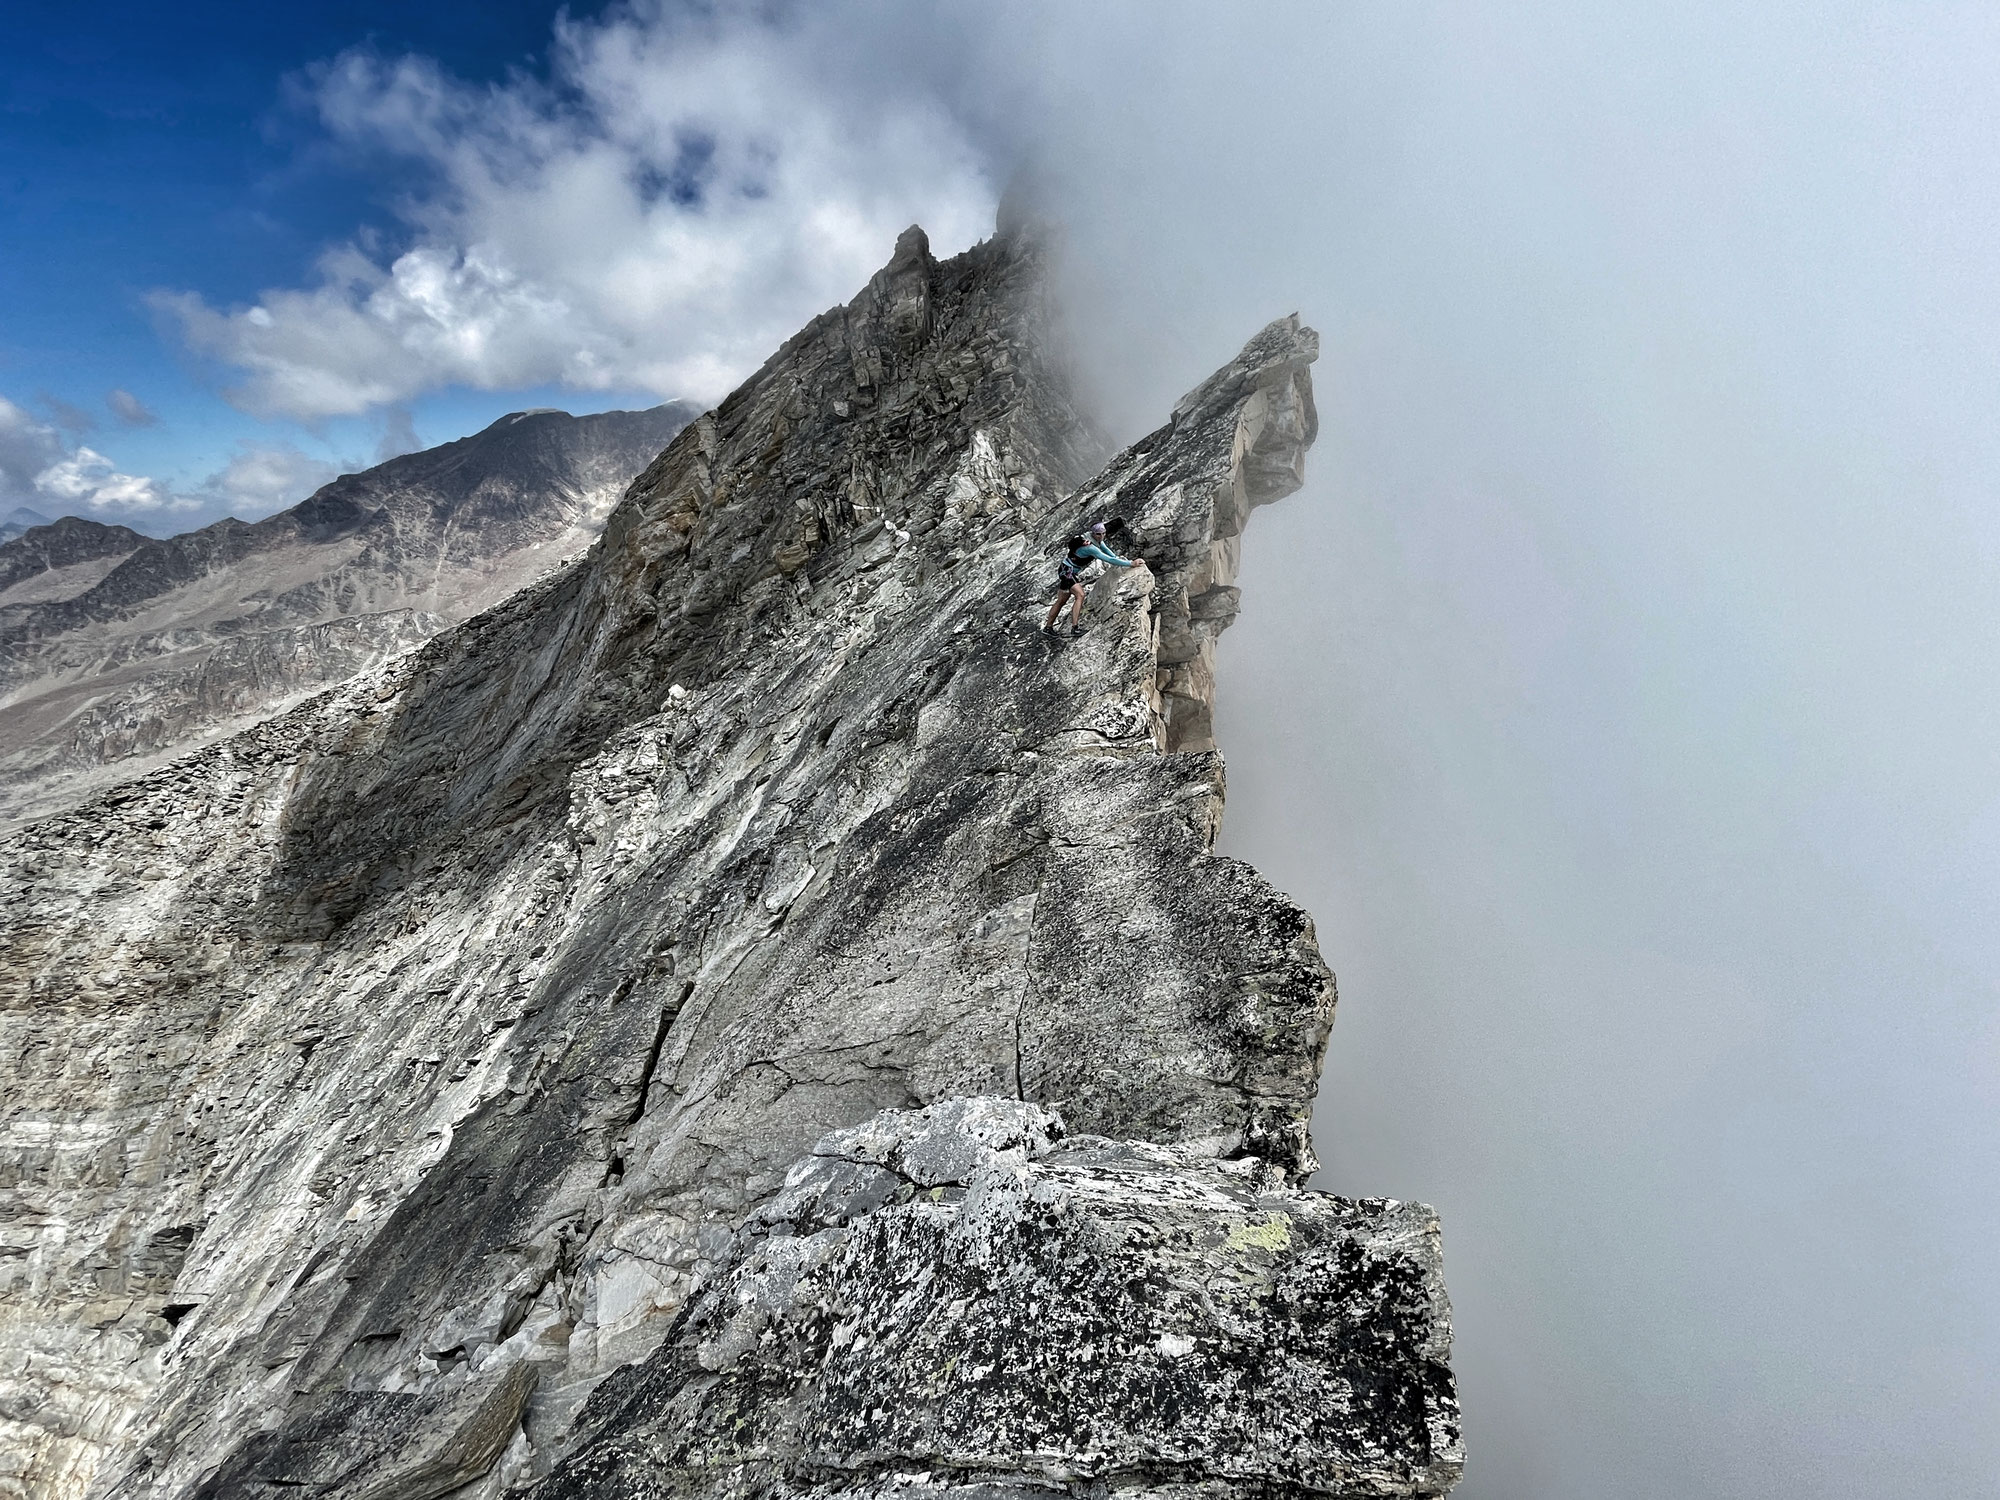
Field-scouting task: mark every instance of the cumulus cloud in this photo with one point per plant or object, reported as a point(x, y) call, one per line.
point(684, 193)
point(129, 409)
point(27, 447)
point(88, 481)
point(264, 477)
point(40, 470)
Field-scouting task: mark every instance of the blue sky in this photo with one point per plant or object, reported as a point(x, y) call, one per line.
point(146, 147)
point(166, 171)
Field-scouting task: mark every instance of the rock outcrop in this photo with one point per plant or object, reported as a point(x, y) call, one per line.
point(119, 652)
point(56, 560)
point(747, 1015)
point(957, 1298)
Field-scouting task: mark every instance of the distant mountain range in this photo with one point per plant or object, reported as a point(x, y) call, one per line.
point(119, 651)
point(18, 520)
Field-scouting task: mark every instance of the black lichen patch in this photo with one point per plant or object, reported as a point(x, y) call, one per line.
point(1107, 1314)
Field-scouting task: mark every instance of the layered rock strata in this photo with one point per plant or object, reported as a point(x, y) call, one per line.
point(754, 965)
point(119, 652)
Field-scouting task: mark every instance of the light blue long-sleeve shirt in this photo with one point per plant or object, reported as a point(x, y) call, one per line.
point(1099, 552)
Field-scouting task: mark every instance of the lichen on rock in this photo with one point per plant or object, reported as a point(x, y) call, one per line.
point(1042, 1314)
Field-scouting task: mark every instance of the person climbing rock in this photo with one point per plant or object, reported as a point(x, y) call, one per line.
point(1084, 557)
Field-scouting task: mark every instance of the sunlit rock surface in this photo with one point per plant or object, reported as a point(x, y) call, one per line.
point(119, 652)
point(756, 938)
point(958, 1298)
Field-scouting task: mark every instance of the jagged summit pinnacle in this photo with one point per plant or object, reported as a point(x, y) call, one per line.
point(913, 247)
point(747, 1016)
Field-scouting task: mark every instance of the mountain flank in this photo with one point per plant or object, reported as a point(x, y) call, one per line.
point(56, 560)
point(18, 520)
point(747, 1016)
point(119, 652)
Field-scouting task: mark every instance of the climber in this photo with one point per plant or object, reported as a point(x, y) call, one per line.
point(1084, 557)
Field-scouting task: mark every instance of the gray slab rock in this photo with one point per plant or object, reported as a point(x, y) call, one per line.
point(119, 652)
point(1047, 1315)
point(475, 1015)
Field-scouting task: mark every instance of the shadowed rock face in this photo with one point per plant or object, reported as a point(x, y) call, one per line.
point(61, 559)
point(759, 919)
point(119, 652)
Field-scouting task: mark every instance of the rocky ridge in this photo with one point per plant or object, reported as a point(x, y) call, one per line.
point(18, 520)
point(56, 560)
point(119, 652)
point(747, 1015)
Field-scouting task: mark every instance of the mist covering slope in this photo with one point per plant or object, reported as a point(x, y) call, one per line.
point(118, 652)
point(748, 1014)
point(18, 520)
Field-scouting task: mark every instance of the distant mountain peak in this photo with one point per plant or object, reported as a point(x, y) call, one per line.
point(21, 519)
point(119, 651)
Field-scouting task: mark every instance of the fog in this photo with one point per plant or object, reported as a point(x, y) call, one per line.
point(1620, 693)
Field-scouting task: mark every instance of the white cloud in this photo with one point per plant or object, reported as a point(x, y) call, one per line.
point(87, 480)
point(264, 477)
point(687, 192)
point(27, 447)
point(40, 470)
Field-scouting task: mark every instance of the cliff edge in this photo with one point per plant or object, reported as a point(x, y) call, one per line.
point(748, 1015)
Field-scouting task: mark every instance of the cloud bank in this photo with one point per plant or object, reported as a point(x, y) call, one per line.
point(685, 191)
point(1622, 694)
point(41, 470)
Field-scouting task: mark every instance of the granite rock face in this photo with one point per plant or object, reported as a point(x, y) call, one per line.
point(539, 1060)
point(959, 1298)
point(119, 652)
